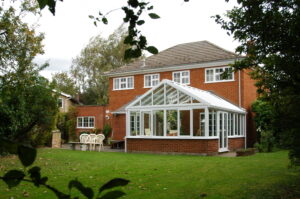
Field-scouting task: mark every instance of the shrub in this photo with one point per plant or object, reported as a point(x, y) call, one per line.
point(71, 124)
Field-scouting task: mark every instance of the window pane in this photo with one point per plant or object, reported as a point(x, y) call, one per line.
point(158, 123)
point(60, 102)
point(210, 75)
point(158, 96)
point(185, 120)
point(91, 122)
point(134, 123)
point(171, 95)
point(79, 121)
point(198, 127)
point(147, 100)
point(184, 99)
point(147, 81)
point(172, 128)
point(147, 122)
point(86, 122)
point(176, 77)
point(130, 82)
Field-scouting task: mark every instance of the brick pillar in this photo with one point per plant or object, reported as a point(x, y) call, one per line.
point(56, 139)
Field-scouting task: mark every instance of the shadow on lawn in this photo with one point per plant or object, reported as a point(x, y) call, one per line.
point(289, 189)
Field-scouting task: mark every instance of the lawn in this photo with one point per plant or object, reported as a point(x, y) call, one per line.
point(264, 175)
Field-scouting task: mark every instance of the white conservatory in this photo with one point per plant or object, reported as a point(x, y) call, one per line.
point(172, 117)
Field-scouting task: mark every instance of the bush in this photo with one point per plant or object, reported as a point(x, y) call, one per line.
point(245, 152)
point(267, 142)
point(71, 124)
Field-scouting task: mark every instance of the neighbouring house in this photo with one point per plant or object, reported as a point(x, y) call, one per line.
point(179, 101)
point(65, 101)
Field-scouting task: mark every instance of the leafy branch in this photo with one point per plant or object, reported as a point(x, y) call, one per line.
point(27, 156)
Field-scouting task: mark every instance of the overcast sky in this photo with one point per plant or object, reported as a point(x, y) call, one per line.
point(70, 29)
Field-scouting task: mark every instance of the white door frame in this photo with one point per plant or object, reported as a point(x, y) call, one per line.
point(222, 130)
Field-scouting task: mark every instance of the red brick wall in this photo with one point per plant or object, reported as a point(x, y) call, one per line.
point(172, 145)
point(181, 145)
point(119, 127)
point(97, 111)
point(236, 143)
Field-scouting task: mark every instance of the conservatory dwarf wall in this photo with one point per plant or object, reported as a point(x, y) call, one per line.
point(177, 118)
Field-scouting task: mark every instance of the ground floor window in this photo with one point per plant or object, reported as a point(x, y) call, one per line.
point(86, 122)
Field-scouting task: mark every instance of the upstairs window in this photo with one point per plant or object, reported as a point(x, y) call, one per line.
point(182, 77)
point(86, 122)
point(123, 83)
point(216, 74)
point(151, 80)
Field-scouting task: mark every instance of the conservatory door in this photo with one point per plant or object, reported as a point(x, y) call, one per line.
point(223, 131)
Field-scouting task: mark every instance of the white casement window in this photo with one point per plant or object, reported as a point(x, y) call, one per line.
point(215, 74)
point(86, 122)
point(60, 102)
point(182, 77)
point(151, 80)
point(123, 83)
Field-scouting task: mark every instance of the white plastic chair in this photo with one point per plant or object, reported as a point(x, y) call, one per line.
point(83, 141)
point(99, 140)
point(91, 141)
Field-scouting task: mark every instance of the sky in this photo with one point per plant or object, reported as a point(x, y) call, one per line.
point(70, 30)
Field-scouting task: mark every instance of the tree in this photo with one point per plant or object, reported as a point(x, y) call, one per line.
point(64, 83)
point(269, 33)
point(99, 56)
point(27, 106)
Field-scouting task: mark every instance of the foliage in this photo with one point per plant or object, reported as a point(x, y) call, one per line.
point(32, 174)
point(107, 129)
point(27, 106)
point(71, 123)
point(64, 83)
point(269, 34)
point(99, 56)
point(61, 124)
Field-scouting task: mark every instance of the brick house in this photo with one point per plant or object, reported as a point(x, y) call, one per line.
point(179, 101)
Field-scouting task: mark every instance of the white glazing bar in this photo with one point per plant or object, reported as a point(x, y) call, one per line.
point(127, 123)
point(151, 122)
point(206, 133)
point(165, 123)
point(178, 123)
point(191, 122)
point(233, 124)
point(165, 98)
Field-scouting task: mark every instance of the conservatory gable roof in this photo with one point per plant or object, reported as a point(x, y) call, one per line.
point(206, 98)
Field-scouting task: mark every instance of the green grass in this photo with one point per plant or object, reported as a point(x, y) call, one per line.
point(264, 175)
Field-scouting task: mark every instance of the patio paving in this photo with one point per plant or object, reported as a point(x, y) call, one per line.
point(106, 148)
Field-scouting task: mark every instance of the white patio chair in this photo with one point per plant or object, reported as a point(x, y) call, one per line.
point(83, 141)
point(91, 141)
point(99, 140)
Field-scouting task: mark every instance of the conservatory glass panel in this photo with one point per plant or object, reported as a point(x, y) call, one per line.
point(171, 94)
point(185, 119)
point(158, 123)
point(194, 101)
point(158, 96)
point(172, 125)
point(184, 99)
point(134, 123)
point(147, 100)
point(198, 125)
point(146, 121)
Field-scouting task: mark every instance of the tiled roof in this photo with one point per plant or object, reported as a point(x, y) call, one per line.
point(182, 54)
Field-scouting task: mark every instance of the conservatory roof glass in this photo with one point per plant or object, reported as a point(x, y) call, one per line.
point(168, 93)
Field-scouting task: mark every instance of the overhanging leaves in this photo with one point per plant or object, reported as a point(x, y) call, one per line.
point(114, 183)
point(152, 49)
point(13, 177)
point(27, 155)
point(86, 191)
point(112, 195)
point(153, 16)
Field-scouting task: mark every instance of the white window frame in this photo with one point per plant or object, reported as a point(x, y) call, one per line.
point(152, 80)
point(82, 122)
point(117, 83)
point(62, 102)
point(215, 74)
point(181, 76)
